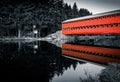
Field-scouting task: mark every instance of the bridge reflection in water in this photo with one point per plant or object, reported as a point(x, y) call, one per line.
point(95, 54)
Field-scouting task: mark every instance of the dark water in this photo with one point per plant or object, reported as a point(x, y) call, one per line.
point(41, 62)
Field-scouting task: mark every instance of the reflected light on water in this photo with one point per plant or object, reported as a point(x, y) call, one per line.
point(74, 75)
point(95, 57)
point(35, 46)
point(42, 61)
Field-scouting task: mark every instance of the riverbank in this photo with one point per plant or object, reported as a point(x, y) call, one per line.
point(55, 38)
point(16, 39)
point(108, 40)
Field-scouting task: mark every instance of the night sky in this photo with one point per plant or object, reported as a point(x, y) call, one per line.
point(96, 6)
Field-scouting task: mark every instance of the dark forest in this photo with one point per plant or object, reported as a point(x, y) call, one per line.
point(21, 18)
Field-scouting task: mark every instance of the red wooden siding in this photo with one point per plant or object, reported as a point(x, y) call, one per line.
point(108, 24)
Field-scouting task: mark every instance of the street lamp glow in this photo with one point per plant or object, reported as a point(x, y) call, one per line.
point(34, 26)
point(35, 31)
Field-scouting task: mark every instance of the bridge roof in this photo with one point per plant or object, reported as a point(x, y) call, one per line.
point(93, 16)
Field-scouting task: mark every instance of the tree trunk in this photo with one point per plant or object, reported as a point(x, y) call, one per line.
point(39, 33)
point(19, 33)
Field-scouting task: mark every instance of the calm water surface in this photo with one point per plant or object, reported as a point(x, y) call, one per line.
point(41, 62)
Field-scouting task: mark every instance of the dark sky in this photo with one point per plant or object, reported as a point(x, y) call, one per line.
point(96, 6)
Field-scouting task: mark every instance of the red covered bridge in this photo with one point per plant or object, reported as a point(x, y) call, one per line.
point(104, 23)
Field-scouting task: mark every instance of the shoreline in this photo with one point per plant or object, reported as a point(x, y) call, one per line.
point(57, 39)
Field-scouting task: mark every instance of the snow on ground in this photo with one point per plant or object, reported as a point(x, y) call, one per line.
point(101, 40)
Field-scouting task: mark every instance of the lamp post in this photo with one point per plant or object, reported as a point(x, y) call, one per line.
point(34, 26)
point(35, 31)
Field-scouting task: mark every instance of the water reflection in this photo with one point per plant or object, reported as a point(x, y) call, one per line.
point(97, 54)
point(41, 61)
point(35, 61)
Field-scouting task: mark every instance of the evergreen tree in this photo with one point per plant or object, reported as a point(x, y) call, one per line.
point(75, 10)
point(84, 12)
point(65, 12)
point(21, 14)
point(70, 12)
